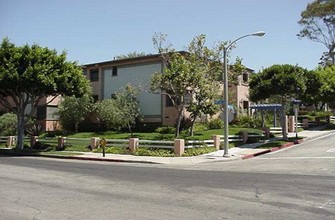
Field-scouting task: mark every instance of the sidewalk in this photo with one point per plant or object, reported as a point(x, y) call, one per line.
point(243, 152)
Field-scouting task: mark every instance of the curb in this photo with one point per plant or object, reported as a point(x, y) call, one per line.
point(286, 145)
point(76, 158)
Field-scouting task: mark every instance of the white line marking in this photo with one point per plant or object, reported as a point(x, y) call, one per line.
point(292, 158)
point(332, 150)
point(330, 202)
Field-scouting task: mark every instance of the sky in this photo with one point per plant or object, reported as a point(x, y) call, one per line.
point(98, 30)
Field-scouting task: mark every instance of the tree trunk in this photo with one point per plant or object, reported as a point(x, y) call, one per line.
point(178, 122)
point(283, 120)
point(20, 130)
point(192, 126)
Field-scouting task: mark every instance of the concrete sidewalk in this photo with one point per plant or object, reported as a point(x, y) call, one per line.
point(243, 152)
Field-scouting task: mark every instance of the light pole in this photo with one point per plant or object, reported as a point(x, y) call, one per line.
point(225, 89)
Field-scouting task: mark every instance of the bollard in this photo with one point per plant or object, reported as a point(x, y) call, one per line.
point(244, 135)
point(291, 123)
point(61, 143)
point(33, 140)
point(305, 122)
point(94, 142)
point(10, 141)
point(216, 139)
point(266, 132)
point(133, 144)
point(179, 147)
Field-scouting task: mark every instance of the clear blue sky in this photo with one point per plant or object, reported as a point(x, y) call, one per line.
point(98, 30)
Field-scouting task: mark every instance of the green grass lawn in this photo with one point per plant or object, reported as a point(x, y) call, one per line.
point(203, 135)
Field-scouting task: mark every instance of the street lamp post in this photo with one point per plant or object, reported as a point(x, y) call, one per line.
point(225, 88)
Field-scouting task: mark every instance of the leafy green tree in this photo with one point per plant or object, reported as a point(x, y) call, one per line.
point(280, 81)
point(318, 21)
point(204, 85)
point(190, 79)
point(8, 123)
point(72, 111)
point(30, 73)
point(120, 112)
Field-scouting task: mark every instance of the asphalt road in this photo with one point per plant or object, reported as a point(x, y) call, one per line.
point(298, 183)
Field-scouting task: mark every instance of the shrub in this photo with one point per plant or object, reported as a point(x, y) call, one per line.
point(166, 130)
point(200, 128)
point(8, 124)
point(247, 122)
point(42, 146)
point(216, 124)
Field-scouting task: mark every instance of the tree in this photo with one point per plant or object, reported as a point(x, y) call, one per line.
point(30, 73)
point(318, 21)
point(320, 86)
point(191, 79)
point(312, 93)
point(72, 110)
point(8, 123)
point(282, 81)
point(120, 112)
point(204, 87)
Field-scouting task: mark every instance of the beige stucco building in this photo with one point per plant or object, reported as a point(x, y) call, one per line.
point(109, 77)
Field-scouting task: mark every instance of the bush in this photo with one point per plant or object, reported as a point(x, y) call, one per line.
point(200, 128)
point(155, 152)
point(247, 122)
point(8, 124)
point(216, 124)
point(166, 130)
point(42, 146)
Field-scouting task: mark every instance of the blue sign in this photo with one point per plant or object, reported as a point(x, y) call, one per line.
point(219, 102)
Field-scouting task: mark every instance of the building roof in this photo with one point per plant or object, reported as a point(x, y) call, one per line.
point(266, 106)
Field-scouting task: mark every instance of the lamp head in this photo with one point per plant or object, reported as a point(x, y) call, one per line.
point(259, 33)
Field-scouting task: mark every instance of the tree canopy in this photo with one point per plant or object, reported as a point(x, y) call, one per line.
point(318, 22)
point(121, 111)
point(72, 110)
point(190, 79)
point(282, 81)
point(30, 73)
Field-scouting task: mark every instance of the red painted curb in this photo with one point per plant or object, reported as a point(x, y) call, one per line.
point(286, 145)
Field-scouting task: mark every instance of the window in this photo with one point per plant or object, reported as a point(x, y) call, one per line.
point(245, 77)
point(94, 75)
point(41, 112)
point(169, 102)
point(245, 104)
point(95, 98)
point(114, 71)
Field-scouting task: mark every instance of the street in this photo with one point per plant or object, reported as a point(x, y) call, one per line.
point(296, 183)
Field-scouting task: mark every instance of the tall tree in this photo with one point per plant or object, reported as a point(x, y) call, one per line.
point(30, 73)
point(191, 79)
point(282, 81)
point(318, 21)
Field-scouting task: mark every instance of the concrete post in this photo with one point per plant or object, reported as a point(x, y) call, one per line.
point(33, 140)
point(305, 122)
point(10, 141)
point(179, 147)
point(266, 132)
point(286, 124)
point(216, 139)
point(133, 144)
point(244, 135)
point(291, 123)
point(94, 142)
point(61, 143)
